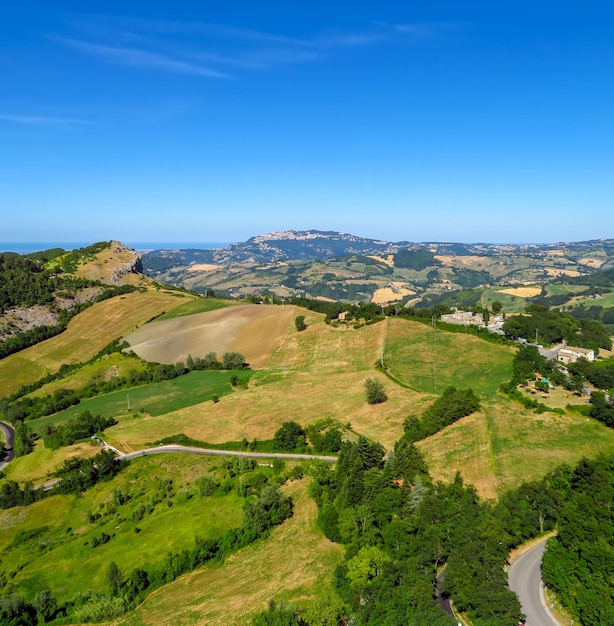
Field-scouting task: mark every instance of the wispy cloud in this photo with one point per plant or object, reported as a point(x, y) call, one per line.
point(211, 50)
point(27, 120)
point(135, 57)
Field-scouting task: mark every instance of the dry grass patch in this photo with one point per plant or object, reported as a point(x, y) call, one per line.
point(506, 445)
point(388, 260)
point(553, 271)
point(109, 366)
point(391, 294)
point(463, 447)
point(228, 595)
point(86, 335)
point(592, 262)
point(260, 411)
point(39, 464)
point(203, 267)
point(522, 292)
point(311, 375)
point(254, 330)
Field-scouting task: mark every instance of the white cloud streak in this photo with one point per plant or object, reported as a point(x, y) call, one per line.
point(135, 57)
point(26, 120)
point(210, 50)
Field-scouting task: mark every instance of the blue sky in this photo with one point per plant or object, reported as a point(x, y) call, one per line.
point(209, 121)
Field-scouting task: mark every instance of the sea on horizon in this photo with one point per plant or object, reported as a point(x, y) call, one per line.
point(141, 246)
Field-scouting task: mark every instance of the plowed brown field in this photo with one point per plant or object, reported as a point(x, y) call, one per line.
point(254, 330)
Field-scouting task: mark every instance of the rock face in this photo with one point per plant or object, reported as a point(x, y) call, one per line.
point(115, 265)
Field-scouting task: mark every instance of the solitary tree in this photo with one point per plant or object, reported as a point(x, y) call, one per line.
point(375, 391)
point(114, 578)
point(299, 322)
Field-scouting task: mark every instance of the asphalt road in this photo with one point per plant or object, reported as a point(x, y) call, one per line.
point(175, 448)
point(525, 580)
point(251, 455)
point(9, 435)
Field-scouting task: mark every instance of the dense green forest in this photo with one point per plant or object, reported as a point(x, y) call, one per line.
point(579, 562)
point(25, 282)
point(400, 529)
point(551, 326)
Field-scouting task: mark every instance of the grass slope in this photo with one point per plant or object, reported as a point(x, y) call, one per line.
point(504, 445)
point(154, 398)
point(429, 365)
point(60, 557)
point(86, 335)
point(313, 374)
point(197, 305)
point(226, 595)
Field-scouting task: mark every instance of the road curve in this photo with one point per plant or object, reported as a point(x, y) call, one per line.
point(9, 435)
point(526, 581)
point(210, 452)
point(176, 448)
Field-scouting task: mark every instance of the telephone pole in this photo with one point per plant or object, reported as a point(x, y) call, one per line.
point(434, 322)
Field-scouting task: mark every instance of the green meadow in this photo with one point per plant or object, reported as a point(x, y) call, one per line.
point(154, 398)
point(429, 362)
point(149, 509)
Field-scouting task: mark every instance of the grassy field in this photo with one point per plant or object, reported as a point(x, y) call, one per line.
point(39, 464)
point(504, 445)
point(196, 305)
point(109, 366)
point(86, 335)
point(226, 595)
point(511, 304)
point(62, 557)
point(154, 398)
point(415, 358)
point(314, 374)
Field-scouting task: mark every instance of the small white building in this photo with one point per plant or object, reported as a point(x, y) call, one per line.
point(569, 354)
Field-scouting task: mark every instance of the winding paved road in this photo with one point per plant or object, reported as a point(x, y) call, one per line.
point(172, 447)
point(525, 580)
point(9, 436)
point(176, 448)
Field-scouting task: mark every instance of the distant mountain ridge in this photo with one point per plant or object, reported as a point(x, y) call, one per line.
point(316, 244)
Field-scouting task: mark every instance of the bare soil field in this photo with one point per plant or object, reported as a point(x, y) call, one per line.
point(252, 329)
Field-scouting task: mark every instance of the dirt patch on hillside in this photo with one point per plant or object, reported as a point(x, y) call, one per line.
point(254, 330)
point(522, 292)
point(591, 262)
point(389, 260)
point(203, 267)
point(391, 294)
point(553, 271)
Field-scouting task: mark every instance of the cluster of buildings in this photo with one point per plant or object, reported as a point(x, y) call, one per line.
point(466, 318)
point(564, 354)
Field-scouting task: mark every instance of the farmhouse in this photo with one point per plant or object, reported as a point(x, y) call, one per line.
point(569, 354)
